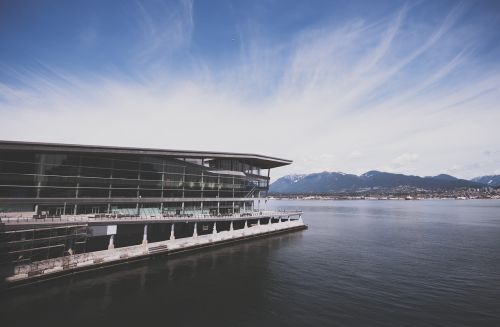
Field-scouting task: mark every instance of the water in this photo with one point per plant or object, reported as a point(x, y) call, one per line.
point(371, 263)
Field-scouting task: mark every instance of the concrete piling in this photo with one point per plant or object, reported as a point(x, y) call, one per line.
point(111, 244)
point(172, 233)
point(145, 235)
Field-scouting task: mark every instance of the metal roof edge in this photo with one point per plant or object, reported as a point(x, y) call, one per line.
point(65, 147)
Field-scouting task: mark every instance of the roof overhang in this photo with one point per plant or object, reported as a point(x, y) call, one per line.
point(253, 159)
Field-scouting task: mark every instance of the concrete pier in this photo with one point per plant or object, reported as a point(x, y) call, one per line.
point(88, 261)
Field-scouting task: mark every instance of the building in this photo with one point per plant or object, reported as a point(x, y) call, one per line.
point(59, 200)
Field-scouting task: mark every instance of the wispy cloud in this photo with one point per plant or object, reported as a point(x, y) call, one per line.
point(165, 28)
point(395, 90)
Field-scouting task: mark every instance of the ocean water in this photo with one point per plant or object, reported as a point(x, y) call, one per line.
point(360, 263)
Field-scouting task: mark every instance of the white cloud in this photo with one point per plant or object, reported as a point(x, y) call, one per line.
point(355, 154)
point(406, 158)
point(314, 99)
point(405, 163)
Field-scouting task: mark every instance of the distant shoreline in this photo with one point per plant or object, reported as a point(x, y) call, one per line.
point(369, 198)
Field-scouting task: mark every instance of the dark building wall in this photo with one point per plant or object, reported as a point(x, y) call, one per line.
point(25, 174)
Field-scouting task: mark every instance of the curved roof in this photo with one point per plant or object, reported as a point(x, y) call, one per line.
point(253, 159)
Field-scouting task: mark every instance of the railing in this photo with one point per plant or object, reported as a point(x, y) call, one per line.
point(162, 217)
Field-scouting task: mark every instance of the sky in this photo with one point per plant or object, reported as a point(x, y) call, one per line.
point(400, 86)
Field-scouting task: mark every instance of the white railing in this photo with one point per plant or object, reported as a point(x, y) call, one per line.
point(163, 217)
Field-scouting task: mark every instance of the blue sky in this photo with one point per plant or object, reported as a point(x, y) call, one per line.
point(401, 86)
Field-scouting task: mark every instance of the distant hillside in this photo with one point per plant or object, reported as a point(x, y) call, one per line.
point(492, 180)
point(336, 182)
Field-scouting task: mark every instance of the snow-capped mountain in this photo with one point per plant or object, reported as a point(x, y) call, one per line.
point(491, 180)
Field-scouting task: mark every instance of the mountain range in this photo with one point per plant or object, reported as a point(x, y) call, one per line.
point(336, 182)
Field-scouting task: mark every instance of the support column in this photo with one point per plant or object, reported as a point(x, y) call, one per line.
point(280, 220)
point(77, 191)
point(138, 206)
point(111, 244)
point(41, 172)
point(195, 232)
point(172, 233)
point(218, 208)
point(270, 218)
point(183, 185)
point(231, 226)
point(145, 235)
point(258, 221)
point(246, 225)
point(162, 185)
point(215, 228)
point(110, 187)
point(202, 183)
point(244, 207)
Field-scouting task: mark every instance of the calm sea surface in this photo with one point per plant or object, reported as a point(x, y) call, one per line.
point(369, 263)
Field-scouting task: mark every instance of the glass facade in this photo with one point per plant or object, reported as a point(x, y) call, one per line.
point(84, 183)
point(39, 180)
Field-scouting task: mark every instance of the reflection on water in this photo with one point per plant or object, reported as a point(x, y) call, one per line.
point(361, 262)
point(216, 284)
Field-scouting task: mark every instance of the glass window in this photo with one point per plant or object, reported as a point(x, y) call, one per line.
point(151, 176)
point(150, 184)
point(59, 181)
point(57, 192)
point(150, 193)
point(125, 193)
point(97, 162)
point(123, 183)
point(93, 193)
point(95, 172)
point(94, 182)
point(17, 179)
point(20, 156)
point(17, 192)
point(125, 164)
point(17, 167)
point(61, 170)
point(128, 174)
